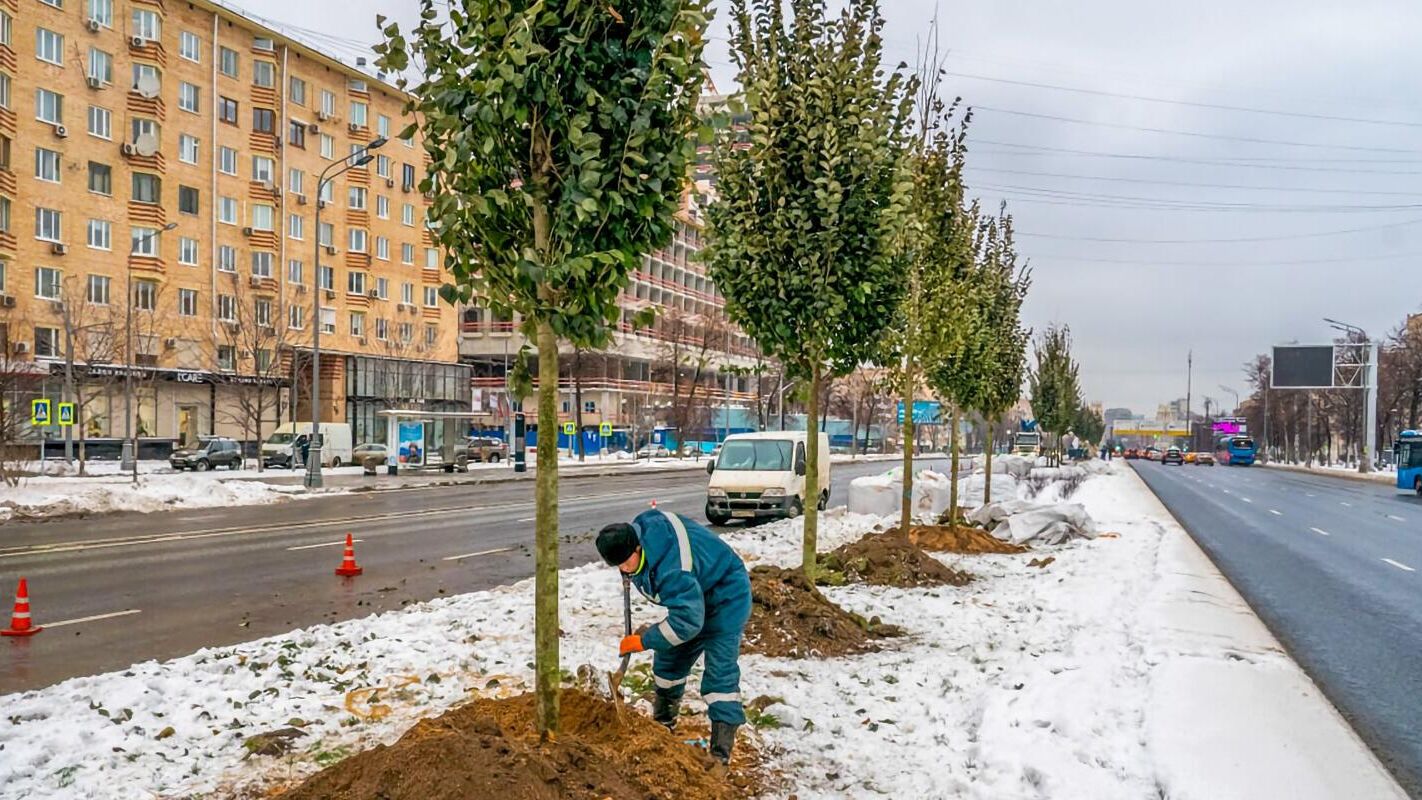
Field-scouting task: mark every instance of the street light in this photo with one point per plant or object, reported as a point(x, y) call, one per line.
point(128, 451)
point(359, 158)
point(1370, 406)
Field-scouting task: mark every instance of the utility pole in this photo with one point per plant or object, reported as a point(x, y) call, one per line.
point(1189, 380)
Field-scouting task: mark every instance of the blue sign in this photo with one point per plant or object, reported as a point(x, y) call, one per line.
point(925, 412)
point(656, 437)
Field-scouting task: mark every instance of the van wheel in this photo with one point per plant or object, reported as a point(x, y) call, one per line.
point(335, 462)
point(795, 508)
point(717, 519)
point(824, 500)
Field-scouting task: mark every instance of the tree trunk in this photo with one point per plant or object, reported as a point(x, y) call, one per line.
point(953, 469)
point(987, 463)
point(906, 501)
point(812, 476)
point(545, 590)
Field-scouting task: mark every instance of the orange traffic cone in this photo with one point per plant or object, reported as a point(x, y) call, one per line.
point(654, 503)
point(348, 566)
point(20, 620)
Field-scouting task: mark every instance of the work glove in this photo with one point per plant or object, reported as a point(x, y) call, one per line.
point(631, 644)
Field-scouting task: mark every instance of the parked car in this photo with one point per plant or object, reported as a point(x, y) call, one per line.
point(1203, 459)
point(370, 455)
point(654, 451)
point(211, 452)
point(1190, 457)
point(1172, 455)
point(1132, 454)
point(480, 449)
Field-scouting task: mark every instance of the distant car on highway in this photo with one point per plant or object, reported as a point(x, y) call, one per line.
point(1152, 454)
point(1131, 454)
point(1203, 459)
point(1190, 457)
point(1172, 455)
point(654, 451)
point(211, 452)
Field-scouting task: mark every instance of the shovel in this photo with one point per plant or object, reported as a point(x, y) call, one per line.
point(614, 679)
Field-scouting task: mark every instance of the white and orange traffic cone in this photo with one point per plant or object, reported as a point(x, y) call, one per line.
point(348, 566)
point(20, 624)
point(654, 503)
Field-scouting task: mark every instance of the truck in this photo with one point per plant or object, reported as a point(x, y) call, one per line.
point(1027, 443)
point(282, 448)
point(762, 476)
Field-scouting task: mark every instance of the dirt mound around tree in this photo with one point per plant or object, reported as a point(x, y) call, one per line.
point(791, 619)
point(959, 539)
point(887, 559)
point(489, 749)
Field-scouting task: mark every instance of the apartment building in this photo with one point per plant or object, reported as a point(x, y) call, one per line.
point(159, 168)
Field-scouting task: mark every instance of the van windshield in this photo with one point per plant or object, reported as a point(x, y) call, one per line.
point(770, 455)
point(281, 438)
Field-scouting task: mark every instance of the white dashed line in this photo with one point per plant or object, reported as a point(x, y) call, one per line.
point(480, 553)
point(1245, 499)
point(323, 544)
point(1310, 494)
point(91, 619)
point(1399, 565)
point(1319, 531)
point(1394, 516)
point(1275, 513)
point(1342, 503)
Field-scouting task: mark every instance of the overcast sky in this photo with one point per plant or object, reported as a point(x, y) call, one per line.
point(1151, 243)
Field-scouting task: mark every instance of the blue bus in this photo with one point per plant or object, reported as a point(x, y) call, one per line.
point(1235, 449)
point(1409, 461)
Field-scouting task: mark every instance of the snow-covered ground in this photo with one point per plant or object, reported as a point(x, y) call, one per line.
point(1127, 668)
point(46, 496)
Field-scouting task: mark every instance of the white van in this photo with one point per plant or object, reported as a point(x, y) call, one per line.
point(281, 448)
point(760, 475)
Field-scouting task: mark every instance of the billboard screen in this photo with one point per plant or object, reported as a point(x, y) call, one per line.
point(1303, 367)
point(925, 412)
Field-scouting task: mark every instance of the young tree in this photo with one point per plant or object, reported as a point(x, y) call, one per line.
point(21, 380)
point(559, 137)
point(1053, 384)
point(800, 238)
point(253, 341)
point(91, 322)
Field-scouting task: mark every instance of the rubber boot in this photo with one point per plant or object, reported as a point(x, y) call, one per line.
point(723, 738)
point(665, 710)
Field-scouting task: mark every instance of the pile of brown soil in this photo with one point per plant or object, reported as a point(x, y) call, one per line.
point(960, 539)
point(489, 748)
point(791, 619)
point(887, 559)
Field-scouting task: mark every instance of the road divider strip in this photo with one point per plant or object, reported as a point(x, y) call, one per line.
point(480, 553)
point(94, 618)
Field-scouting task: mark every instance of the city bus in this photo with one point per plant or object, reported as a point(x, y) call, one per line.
point(1409, 461)
point(1235, 449)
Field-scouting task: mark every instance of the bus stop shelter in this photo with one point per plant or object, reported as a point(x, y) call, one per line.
point(416, 439)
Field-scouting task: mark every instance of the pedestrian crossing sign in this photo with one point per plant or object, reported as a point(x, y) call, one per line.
point(569, 428)
point(605, 429)
point(66, 414)
point(39, 412)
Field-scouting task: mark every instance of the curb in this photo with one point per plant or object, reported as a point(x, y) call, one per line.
point(1371, 477)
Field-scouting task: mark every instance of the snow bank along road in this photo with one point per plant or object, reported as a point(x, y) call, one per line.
point(123, 588)
point(1334, 567)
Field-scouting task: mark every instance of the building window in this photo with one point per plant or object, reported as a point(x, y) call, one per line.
point(382, 328)
point(355, 283)
point(102, 12)
point(100, 234)
point(382, 166)
point(4, 215)
point(328, 278)
point(49, 107)
point(98, 291)
point(226, 258)
point(407, 293)
point(227, 308)
point(328, 103)
point(263, 120)
point(355, 198)
point(357, 240)
point(295, 318)
point(325, 234)
point(407, 332)
point(227, 210)
point(145, 295)
point(407, 253)
point(382, 288)
point(227, 161)
point(263, 217)
point(262, 312)
point(431, 258)
point(295, 271)
point(382, 248)
point(263, 357)
point(189, 97)
point(190, 46)
point(328, 191)
point(431, 297)
point(47, 281)
point(328, 147)
point(55, 3)
point(101, 65)
point(296, 134)
point(187, 148)
point(262, 264)
point(188, 199)
point(263, 169)
point(382, 207)
point(146, 188)
point(296, 91)
point(226, 353)
point(146, 75)
point(227, 62)
point(431, 335)
point(48, 224)
point(407, 215)
point(4, 90)
point(328, 320)
point(147, 25)
point(49, 46)
point(407, 177)
point(357, 323)
point(263, 74)
point(227, 110)
point(5, 26)
point(187, 251)
point(359, 111)
point(382, 126)
point(46, 165)
point(143, 241)
point(47, 342)
point(295, 179)
point(295, 226)
point(187, 302)
point(140, 127)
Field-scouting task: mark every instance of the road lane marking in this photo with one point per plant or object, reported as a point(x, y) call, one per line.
point(1394, 516)
point(323, 544)
point(528, 519)
point(78, 620)
point(480, 553)
point(1319, 531)
point(1399, 565)
point(1275, 513)
point(1342, 503)
point(1310, 494)
point(1245, 499)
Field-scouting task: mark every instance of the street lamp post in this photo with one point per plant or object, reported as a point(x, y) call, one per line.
point(128, 451)
point(359, 158)
point(1370, 405)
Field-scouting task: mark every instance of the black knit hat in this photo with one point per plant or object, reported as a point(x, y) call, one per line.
point(617, 542)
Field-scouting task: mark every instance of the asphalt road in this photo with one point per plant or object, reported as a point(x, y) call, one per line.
point(1334, 568)
point(192, 579)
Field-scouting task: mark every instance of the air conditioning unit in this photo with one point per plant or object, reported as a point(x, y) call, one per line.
point(301, 288)
point(94, 26)
point(360, 340)
point(372, 294)
point(95, 82)
point(256, 280)
point(247, 231)
point(322, 116)
point(170, 343)
point(58, 249)
point(322, 203)
point(300, 199)
point(6, 301)
point(406, 187)
point(351, 126)
point(312, 127)
point(137, 42)
point(331, 250)
point(128, 149)
point(330, 294)
point(22, 347)
point(60, 131)
point(390, 183)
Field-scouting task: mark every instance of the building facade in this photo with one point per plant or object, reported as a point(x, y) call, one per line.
point(159, 169)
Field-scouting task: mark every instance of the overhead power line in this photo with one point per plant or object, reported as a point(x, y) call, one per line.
point(1236, 239)
point(1290, 165)
point(1149, 262)
point(1115, 179)
point(1159, 203)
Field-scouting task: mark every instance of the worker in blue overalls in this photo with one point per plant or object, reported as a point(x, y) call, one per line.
point(703, 584)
